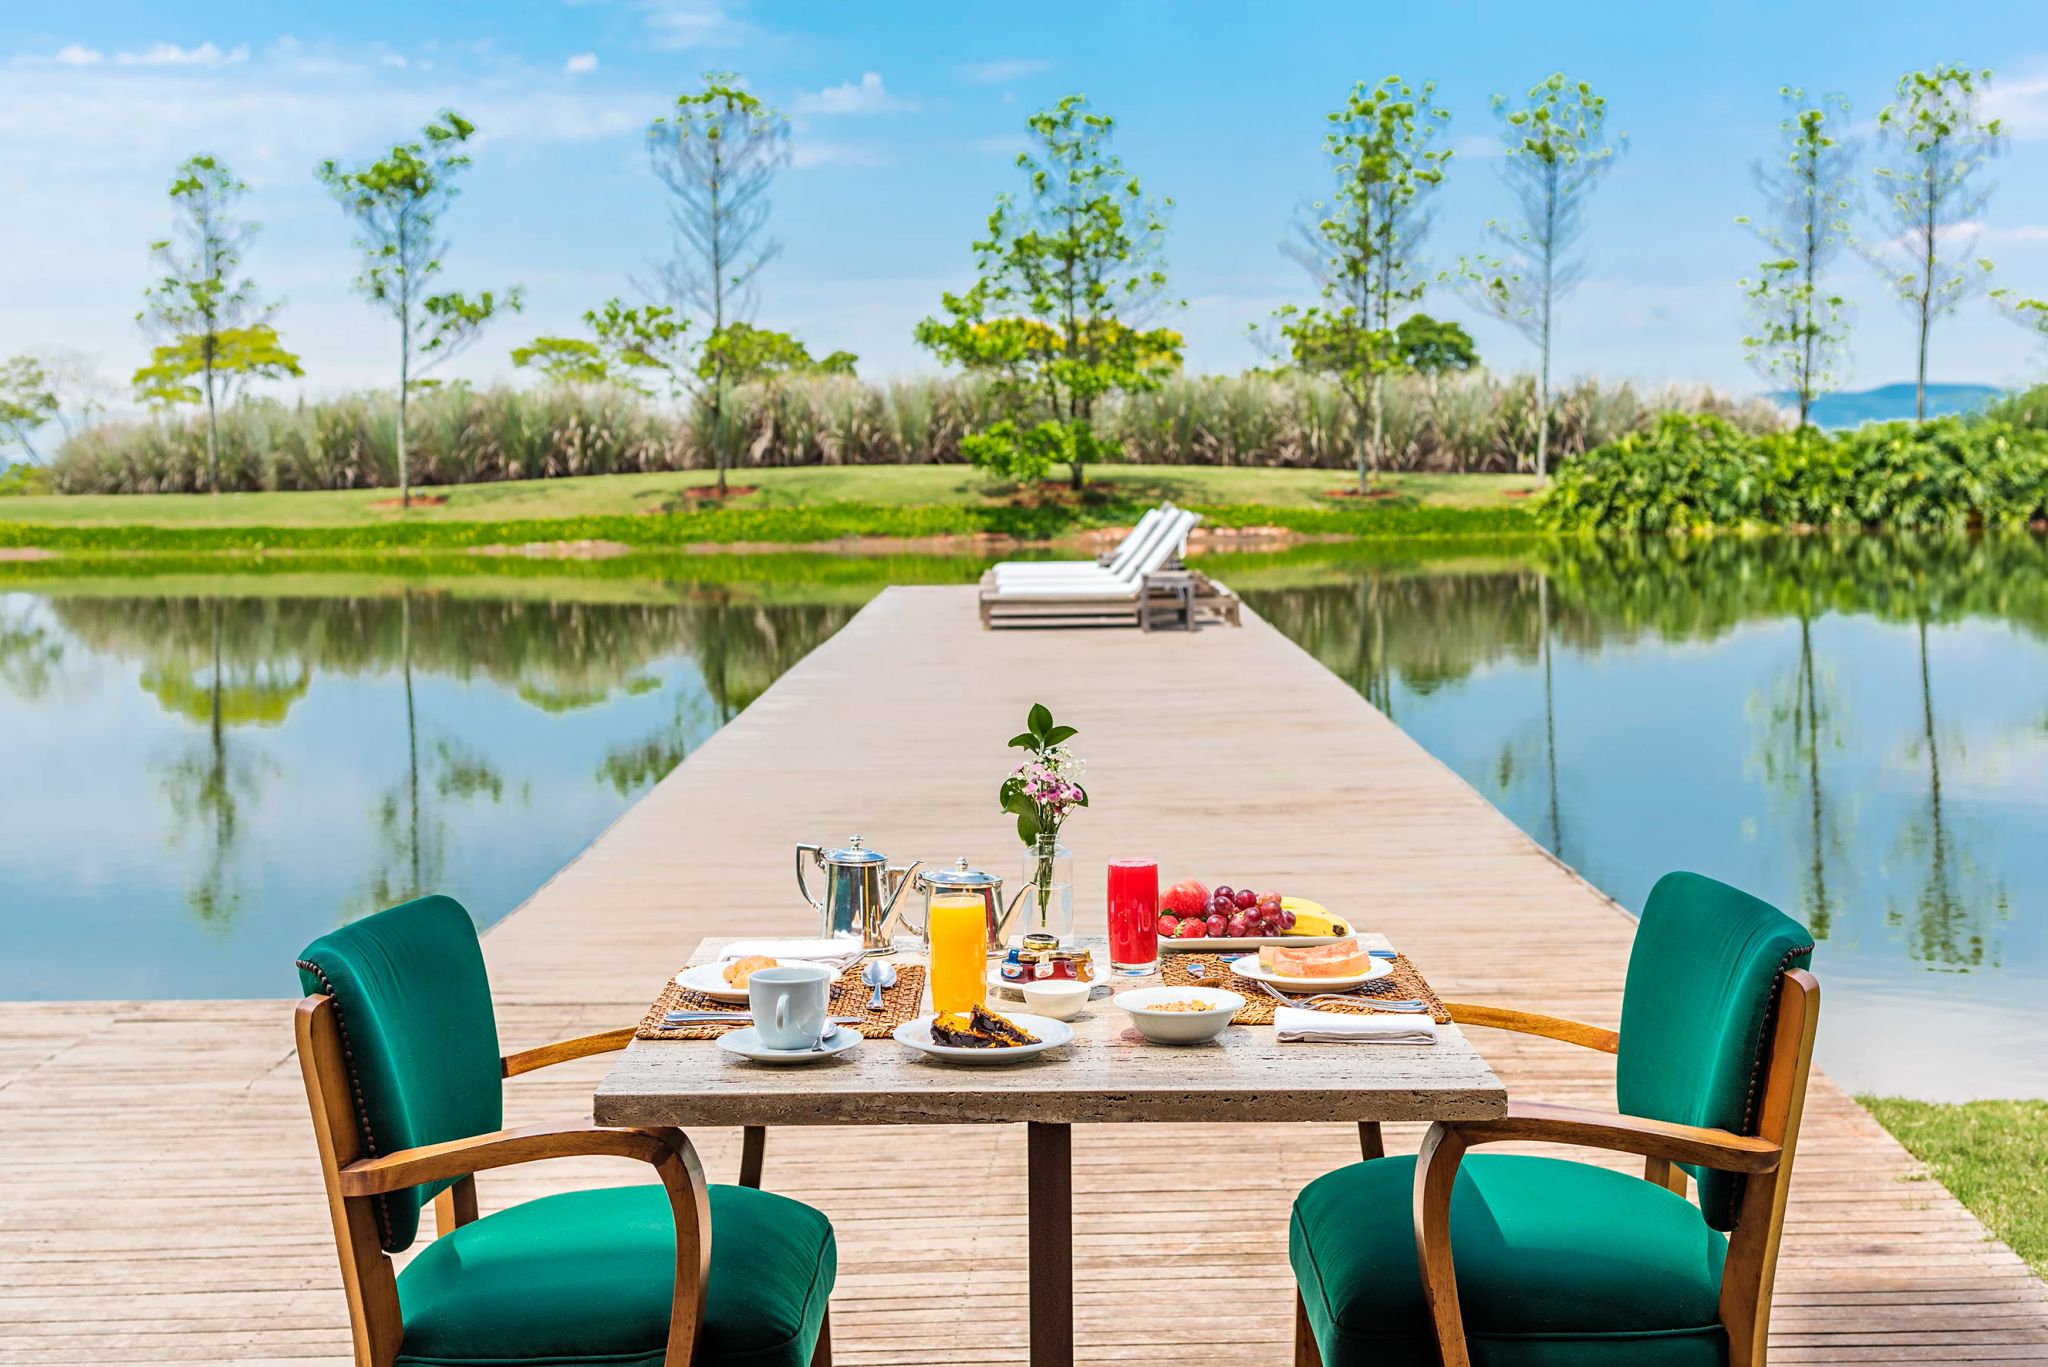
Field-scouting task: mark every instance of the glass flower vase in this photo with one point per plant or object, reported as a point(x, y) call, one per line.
point(1049, 896)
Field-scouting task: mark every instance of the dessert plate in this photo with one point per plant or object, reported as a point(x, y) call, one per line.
point(917, 1034)
point(1249, 967)
point(709, 979)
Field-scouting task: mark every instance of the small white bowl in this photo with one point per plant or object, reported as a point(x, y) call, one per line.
point(1179, 1027)
point(1061, 998)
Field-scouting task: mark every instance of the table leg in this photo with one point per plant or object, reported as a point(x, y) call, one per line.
point(753, 1148)
point(1049, 1151)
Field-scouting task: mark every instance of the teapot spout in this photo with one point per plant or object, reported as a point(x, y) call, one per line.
point(1009, 916)
point(899, 880)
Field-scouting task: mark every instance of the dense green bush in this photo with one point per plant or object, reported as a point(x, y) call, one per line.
point(461, 435)
point(1688, 473)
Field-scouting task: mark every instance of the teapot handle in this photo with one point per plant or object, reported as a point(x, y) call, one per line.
point(912, 882)
point(817, 852)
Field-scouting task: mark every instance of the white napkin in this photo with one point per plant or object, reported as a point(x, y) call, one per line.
point(838, 953)
point(1380, 1027)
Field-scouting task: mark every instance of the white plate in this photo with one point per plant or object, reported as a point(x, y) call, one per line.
point(1051, 1034)
point(746, 1042)
point(1210, 943)
point(1248, 967)
point(709, 979)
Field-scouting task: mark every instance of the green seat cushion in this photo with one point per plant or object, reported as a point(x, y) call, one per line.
point(1560, 1264)
point(421, 1040)
point(586, 1277)
point(1702, 985)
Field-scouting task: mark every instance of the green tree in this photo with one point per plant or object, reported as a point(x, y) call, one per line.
point(1938, 141)
point(203, 308)
point(27, 401)
point(1362, 247)
point(1064, 282)
point(1799, 326)
point(397, 202)
point(222, 359)
point(1557, 149)
point(717, 153)
point(1429, 346)
point(747, 353)
point(634, 348)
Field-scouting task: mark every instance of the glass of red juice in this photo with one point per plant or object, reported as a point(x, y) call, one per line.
point(1133, 916)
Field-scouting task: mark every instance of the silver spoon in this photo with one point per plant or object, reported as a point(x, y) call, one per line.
point(878, 975)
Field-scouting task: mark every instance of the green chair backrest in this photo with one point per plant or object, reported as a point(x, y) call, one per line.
point(1702, 982)
point(417, 1029)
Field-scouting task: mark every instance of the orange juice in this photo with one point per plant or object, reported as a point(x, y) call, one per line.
point(958, 933)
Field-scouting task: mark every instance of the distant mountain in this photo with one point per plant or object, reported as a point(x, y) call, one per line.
point(1889, 402)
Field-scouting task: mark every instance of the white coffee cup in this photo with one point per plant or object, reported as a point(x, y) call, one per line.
point(789, 1004)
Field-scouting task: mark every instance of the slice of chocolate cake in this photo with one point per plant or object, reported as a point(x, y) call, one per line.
point(979, 1028)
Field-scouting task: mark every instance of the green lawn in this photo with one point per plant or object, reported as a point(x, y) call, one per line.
point(1992, 1154)
point(886, 486)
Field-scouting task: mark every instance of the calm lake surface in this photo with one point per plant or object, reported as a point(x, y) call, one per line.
point(199, 775)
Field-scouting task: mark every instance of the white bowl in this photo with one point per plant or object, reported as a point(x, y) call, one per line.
point(1061, 998)
point(1179, 1027)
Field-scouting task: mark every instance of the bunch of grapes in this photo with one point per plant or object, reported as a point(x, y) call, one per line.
point(1193, 913)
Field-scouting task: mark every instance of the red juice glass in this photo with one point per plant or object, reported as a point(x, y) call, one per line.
point(1133, 916)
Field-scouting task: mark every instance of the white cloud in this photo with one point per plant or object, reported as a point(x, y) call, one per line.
point(2020, 103)
point(582, 64)
point(1477, 147)
point(810, 152)
point(1003, 70)
point(170, 54)
point(865, 96)
point(1005, 145)
point(676, 25)
point(71, 54)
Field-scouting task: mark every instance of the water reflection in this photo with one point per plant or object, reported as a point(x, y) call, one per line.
point(200, 783)
point(1851, 728)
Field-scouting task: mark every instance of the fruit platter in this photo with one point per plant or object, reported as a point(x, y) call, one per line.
point(1194, 917)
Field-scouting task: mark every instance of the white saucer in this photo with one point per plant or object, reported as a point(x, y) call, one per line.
point(746, 1042)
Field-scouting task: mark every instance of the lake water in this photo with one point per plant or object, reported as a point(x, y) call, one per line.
point(199, 775)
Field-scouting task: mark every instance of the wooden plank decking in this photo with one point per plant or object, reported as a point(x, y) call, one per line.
point(157, 1196)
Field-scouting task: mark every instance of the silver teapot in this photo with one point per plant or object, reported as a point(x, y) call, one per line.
point(972, 883)
point(861, 890)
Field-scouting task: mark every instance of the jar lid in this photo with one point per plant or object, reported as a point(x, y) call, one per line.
point(961, 876)
point(853, 853)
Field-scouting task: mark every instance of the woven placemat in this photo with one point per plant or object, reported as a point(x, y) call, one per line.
point(1403, 984)
point(849, 998)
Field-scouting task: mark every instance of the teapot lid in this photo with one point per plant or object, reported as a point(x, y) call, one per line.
point(960, 876)
point(854, 853)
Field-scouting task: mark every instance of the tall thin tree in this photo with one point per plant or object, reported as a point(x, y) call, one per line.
point(213, 324)
point(1938, 143)
point(1800, 327)
point(397, 202)
point(1363, 246)
point(1556, 150)
point(717, 153)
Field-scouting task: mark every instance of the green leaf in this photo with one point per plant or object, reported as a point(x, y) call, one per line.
point(1027, 827)
point(1039, 720)
point(1024, 740)
point(1060, 733)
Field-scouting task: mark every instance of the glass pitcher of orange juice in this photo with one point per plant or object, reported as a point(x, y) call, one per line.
point(965, 921)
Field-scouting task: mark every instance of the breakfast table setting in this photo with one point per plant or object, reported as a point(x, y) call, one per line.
point(930, 997)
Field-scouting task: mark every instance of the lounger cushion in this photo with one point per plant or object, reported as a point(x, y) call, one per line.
point(586, 1277)
point(1558, 1263)
point(421, 1040)
point(1702, 982)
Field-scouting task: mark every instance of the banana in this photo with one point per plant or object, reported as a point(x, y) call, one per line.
point(1313, 918)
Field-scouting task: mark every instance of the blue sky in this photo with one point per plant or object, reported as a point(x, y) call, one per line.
point(907, 116)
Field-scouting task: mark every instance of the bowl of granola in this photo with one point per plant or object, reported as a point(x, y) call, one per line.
point(1179, 1015)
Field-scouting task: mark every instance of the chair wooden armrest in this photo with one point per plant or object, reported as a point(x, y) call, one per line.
point(1443, 1149)
point(1530, 1023)
point(561, 1051)
point(505, 1148)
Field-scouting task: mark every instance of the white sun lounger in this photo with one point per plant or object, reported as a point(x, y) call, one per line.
point(1129, 549)
point(1092, 596)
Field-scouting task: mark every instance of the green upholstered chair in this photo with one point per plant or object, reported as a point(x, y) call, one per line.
point(399, 1047)
point(1532, 1261)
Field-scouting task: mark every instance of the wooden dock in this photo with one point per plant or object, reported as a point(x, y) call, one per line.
point(157, 1195)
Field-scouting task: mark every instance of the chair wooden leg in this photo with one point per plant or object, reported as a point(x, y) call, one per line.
point(1371, 1142)
point(753, 1148)
point(821, 1356)
point(1306, 1354)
